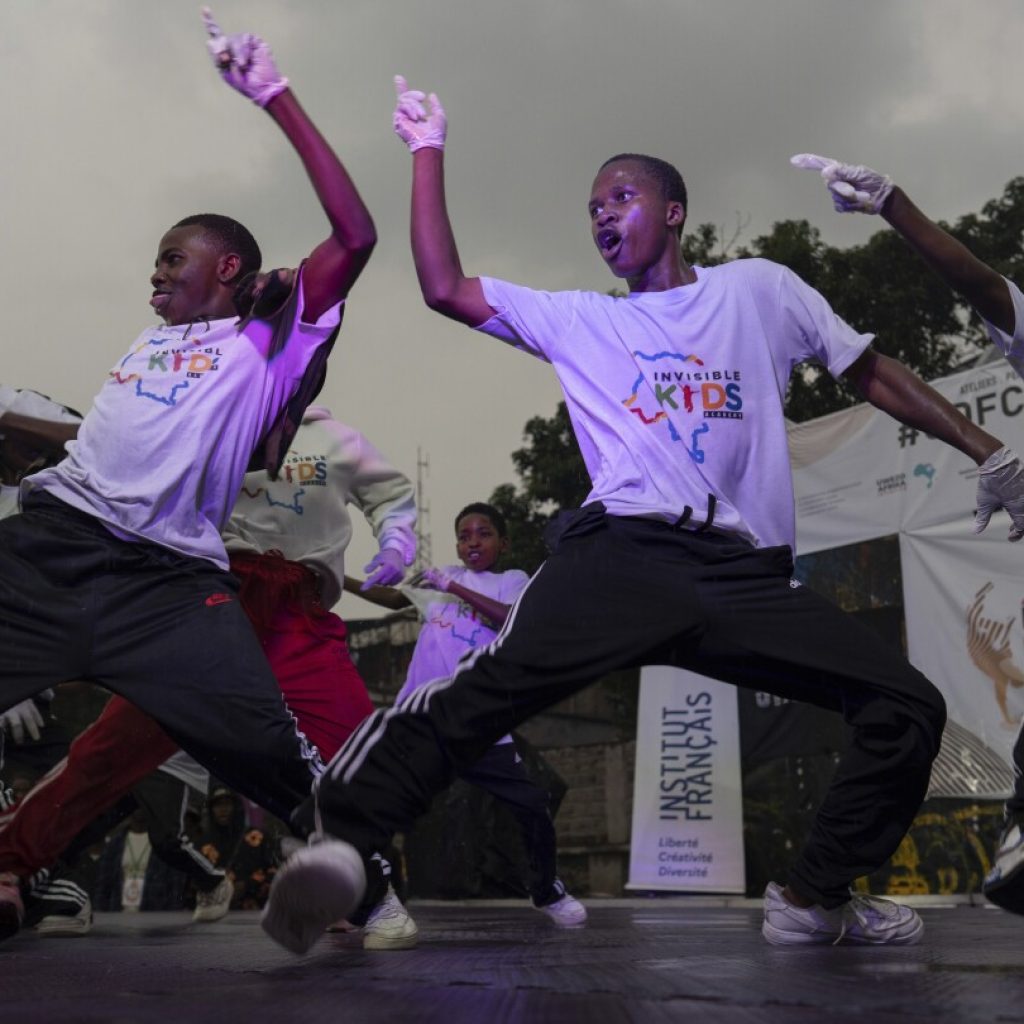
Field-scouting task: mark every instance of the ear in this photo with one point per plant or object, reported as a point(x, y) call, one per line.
point(675, 214)
point(228, 267)
point(503, 545)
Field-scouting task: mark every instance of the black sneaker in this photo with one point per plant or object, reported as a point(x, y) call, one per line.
point(1004, 884)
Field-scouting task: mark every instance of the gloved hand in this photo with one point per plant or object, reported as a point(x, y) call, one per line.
point(385, 568)
point(1001, 485)
point(855, 189)
point(22, 718)
point(244, 62)
point(413, 125)
point(434, 579)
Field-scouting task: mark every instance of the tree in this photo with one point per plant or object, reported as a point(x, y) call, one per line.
point(880, 286)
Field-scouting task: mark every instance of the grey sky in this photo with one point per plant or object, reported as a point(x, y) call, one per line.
point(115, 125)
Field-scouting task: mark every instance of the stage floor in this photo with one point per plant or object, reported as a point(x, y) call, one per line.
point(673, 959)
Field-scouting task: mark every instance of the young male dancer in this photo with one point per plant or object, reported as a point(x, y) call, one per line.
point(681, 555)
point(287, 540)
point(115, 570)
point(1000, 303)
point(462, 608)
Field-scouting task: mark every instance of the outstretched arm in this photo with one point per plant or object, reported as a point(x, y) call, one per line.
point(890, 386)
point(857, 189)
point(386, 597)
point(445, 287)
point(246, 64)
point(495, 611)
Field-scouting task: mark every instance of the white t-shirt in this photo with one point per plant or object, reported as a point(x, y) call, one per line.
point(450, 626)
point(679, 394)
point(1011, 345)
point(162, 453)
point(304, 513)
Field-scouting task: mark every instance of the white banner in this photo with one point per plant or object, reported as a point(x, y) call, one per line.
point(963, 613)
point(860, 475)
point(687, 796)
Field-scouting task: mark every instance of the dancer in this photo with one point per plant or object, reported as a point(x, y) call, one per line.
point(287, 540)
point(115, 571)
point(682, 554)
point(463, 607)
point(1000, 303)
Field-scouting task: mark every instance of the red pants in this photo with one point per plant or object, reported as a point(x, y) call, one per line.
point(321, 688)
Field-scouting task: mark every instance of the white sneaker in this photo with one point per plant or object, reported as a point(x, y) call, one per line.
point(862, 921)
point(389, 925)
point(567, 912)
point(1004, 884)
point(213, 905)
point(79, 923)
point(318, 885)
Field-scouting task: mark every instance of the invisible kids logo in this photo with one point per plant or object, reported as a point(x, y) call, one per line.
point(165, 373)
point(463, 622)
point(680, 390)
point(301, 471)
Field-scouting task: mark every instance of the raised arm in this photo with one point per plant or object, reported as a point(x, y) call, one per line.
point(445, 287)
point(246, 64)
point(888, 385)
point(857, 189)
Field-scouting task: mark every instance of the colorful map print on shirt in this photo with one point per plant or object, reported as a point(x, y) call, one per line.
point(462, 620)
point(682, 392)
point(297, 474)
point(168, 371)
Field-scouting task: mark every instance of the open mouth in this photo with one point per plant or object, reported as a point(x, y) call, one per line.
point(608, 240)
point(159, 300)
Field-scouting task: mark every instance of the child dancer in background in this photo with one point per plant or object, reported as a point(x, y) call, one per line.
point(463, 607)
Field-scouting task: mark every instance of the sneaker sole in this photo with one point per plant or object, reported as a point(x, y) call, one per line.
point(62, 929)
point(208, 918)
point(318, 886)
point(780, 937)
point(386, 942)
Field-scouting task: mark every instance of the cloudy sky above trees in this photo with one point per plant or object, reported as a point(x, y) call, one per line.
point(115, 126)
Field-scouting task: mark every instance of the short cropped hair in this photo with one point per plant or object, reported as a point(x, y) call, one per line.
point(667, 177)
point(230, 236)
point(481, 508)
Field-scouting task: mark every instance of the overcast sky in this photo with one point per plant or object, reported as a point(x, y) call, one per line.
point(114, 126)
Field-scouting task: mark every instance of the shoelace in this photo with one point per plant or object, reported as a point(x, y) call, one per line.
point(860, 909)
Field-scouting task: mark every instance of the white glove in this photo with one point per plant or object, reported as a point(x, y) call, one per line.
point(386, 568)
point(417, 128)
point(434, 579)
point(244, 62)
point(854, 189)
point(22, 718)
point(1001, 485)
